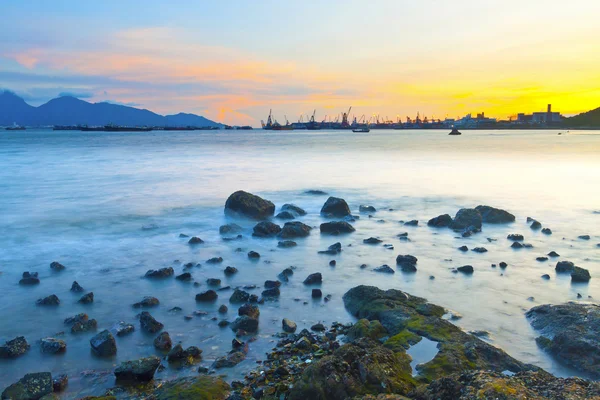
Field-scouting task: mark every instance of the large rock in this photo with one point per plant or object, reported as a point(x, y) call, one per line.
point(312, 279)
point(239, 296)
point(163, 342)
point(141, 370)
point(203, 387)
point(51, 300)
point(571, 333)
point(14, 348)
point(288, 326)
point(336, 227)
point(249, 205)
point(491, 215)
point(441, 221)
point(294, 229)
point(104, 344)
point(266, 229)
point(229, 229)
point(30, 387)
point(53, 346)
point(147, 301)
point(245, 323)
point(160, 273)
point(294, 209)
point(580, 275)
point(250, 310)
point(207, 296)
point(231, 360)
point(335, 207)
point(149, 323)
point(29, 278)
point(466, 218)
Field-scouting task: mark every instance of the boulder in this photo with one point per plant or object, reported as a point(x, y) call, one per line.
point(491, 215)
point(463, 248)
point(336, 227)
point(141, 370)
point(366, 209)
point(365, 328)
point(547, 231)
point(53, 346)
point(163, 342)
point(81, 317)
point(580, 275)
point(336, 208)
point(294, 229)
point(406, 261)
point(564, 266)
point(466, 269)
point(285, 215)
point(251, 310)
point(239, 296)
point(315, 192)
point(316, 294)
point(266, 229)
point(160, 273)
point(245, 323)
point(385, 269)
point(30, 387)
point(479, 250)
point(228, 271)
point(149, 323)
point(29, 278)
point(213, 282)
point(185, 277)
point(333, 249)
point(56, 266)
point(535, 225)
point(413, 222)
point(273, 292)
point(207, 296)
point(195, 240)
point(253, 255)
point(230, 229)
point(516, 237)
point(87, 298)
point(441, 221)
point(288, 326)
point(87, 326)
point(286, 244)
point(312, 279)
point(231, 360)
point(51, 300)
point(372, 240)
point(76, 288)
point(466, 218)
point(292, 208)
point(60, 383)
point(215, 260)
point(14, 348)
point(104, 344)
point(122, 328)
point(249, 205)
point(553, 254)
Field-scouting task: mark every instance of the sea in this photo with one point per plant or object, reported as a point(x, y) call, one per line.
point(111, 206)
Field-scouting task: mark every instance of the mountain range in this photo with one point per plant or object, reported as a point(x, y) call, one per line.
point(586, 119)
point(67, 110)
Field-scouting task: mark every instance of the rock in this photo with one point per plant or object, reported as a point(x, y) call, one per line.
point(516, 237)
point(288, 326)
point(336, 227)
point(122, 328)
point(463, 248)
point(372, 240)
point(141, 370)
point(315, 192)
point(580, 275)
point(365, 328)
point(82, 317)
point(239, 296)
point(207, 296)
point(30, 387)
point(503, 265)
point(230, 271)
point(87, 298)
point(285, 215)
point(14, 348)
point(231, 360)
point(60, 383)
point(286, 244)
point(245, 323)
point(441, 221)
point(195, 240)
point(213, 282)
point(253, 255)
point(366, 209)
point(86, 326)
point(465, 269)
point(553, 254)
point(406, 262)
point(312, 279)
point(334, 249)
point(564, 266)
point(204, 387)
point(160, 273)
point(413, 222)
point(385, 269)
point(316, 294)
point(547, 231)
point(273, 292)
point(294, 209)
point(466, 218)
point(104, 344)
point(185, 277)
point(332, 263)
point(230, 229)
point(163, 342)
point(250, 310)
point(266, 229)
point(546, 277)
point(183, 235)
point(149, 324)
point(76, 288)
point(318, 327)
point(272, 284)
point(147, 301)
point(570, 332)
point(335, 207)
point(491, 215)
point(249, 205)
point(479, 250)
point(517, 245)
point(29, 278)
point(535, 225)
point(51, 300)
point(56, 266)
point(584, 237)
point(215, 260)
point(53, 346)
point(294, 229)
point(541, 259)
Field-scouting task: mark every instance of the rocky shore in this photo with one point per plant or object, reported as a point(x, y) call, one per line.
point(369, 359)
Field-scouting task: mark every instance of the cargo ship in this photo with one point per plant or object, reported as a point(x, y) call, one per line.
point(15, 127)
point(115, 128)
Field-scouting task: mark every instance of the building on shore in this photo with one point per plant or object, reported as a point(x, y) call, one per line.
point(540, 118)
point(481, 121)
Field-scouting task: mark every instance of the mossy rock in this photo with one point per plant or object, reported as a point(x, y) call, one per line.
point(402, 341)
point(194, 388)
point(365, 328)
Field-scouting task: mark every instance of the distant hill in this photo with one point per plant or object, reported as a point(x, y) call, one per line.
point(590, 118)
point(69, 110)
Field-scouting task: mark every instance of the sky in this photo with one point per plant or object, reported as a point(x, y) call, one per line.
point(233, 61)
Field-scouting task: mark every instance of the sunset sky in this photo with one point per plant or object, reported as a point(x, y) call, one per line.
point(234, 60)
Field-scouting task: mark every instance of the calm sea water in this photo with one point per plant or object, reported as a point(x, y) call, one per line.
point(84, 199)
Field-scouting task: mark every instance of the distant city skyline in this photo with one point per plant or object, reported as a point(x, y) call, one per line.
point(232, 62)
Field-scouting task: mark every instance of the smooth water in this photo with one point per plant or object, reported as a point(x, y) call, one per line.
point(83, 199)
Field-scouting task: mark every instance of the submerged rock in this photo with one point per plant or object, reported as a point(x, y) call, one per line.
point(493, 215)
point(141, 370)
point(466, 218)
point(285, 215)
point(87, 326)
point(149, 323)
point(60, 383)
point(31, 387)
point(266, 229)
point(516, 237)
point(250, 310)
point(313, 279)
point(228, 271)
point(14, 348)
point(163, 341)
point(29, 278)
point(185, 277)
point(580, 275)
point(385, 269)
point(122, 328)
point(51, 300)
point(249, 205)
point(294, 229)
point(286, 244)
point(315, 192)
point(87, 298)
point(160, 273)
point(479, 250)
point(441, 221)
point(466, 269)
point(334, 249)
point(366, 209)
point(292, 208)
point(372, 240)
point(230, 229)
point(76, 288)
point(253, 255)
point(195, 240)
point(336, 208)
point(56, 266)
point(215, 260)
point(547, 231)
point(336, 227)
point(239, 296)
point(207, 296)
point(104, 344)
point(53, 346)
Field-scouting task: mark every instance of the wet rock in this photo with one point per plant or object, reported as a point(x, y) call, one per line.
point(372, 240)
point(491, 215)
point(76, 288)
point(365, 328)
point(288, 326)
point(51, 300)
point(193, 388)
point(318, 327)
point(553, 254)
point(385, 269)
point(315, 192)
point(185, 277)
point(564, 266)
point(571, 333)
point(30, 387)
point(53, 346)
point(294, 229)
point(87, 298)
point(285, 215)
point(229, 361)
point(104, 344)
point(466, 269)
point(335, 207)
point(251, 310)
point(407, 262)
point(147, 301)
point(56, 266)
point(253, 255)
point(286, 244)
point(503, 265)
point(29, 278)
point(14, 348)
point(215, 260)
point(441, 221)
point(466, 218)
point(245, 323)
point(312, 279)
point(535, 225)
point(183, 235)
point(334, 249)
point(580, 275)
point(122, 328)
point(546, 277)
point(149, 323)
point(547, 231)
point(82, 317)
point(516, 237)
point(272, 284)
point(463, 248)
point(160, 273)
point(141, 370)
point(479, 250)
point(163, 342)
point(195, 240)
point(207, 296)
point(60, 383)
point(332, 263)
point(230, 229)
point(266, 229)
point(249, 205)
point(213, 282)
point(294, 209)
point(517, 245)
point(239, 296)
point(366, 209)
point(584, 237)
point(273, 292)
point(230, 271)
point(413, 222)
point(336, 227)
point(541, 259)
point(87, 326)
point(316, 294)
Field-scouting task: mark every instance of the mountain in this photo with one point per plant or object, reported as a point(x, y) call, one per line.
point(590, 118)
point(69, 110)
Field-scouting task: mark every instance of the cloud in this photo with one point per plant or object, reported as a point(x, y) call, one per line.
point(120, 103)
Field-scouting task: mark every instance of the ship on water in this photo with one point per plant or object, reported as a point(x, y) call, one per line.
point(115, 128)
point(15, 127)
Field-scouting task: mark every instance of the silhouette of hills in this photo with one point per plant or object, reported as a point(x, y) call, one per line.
point(589, 118)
